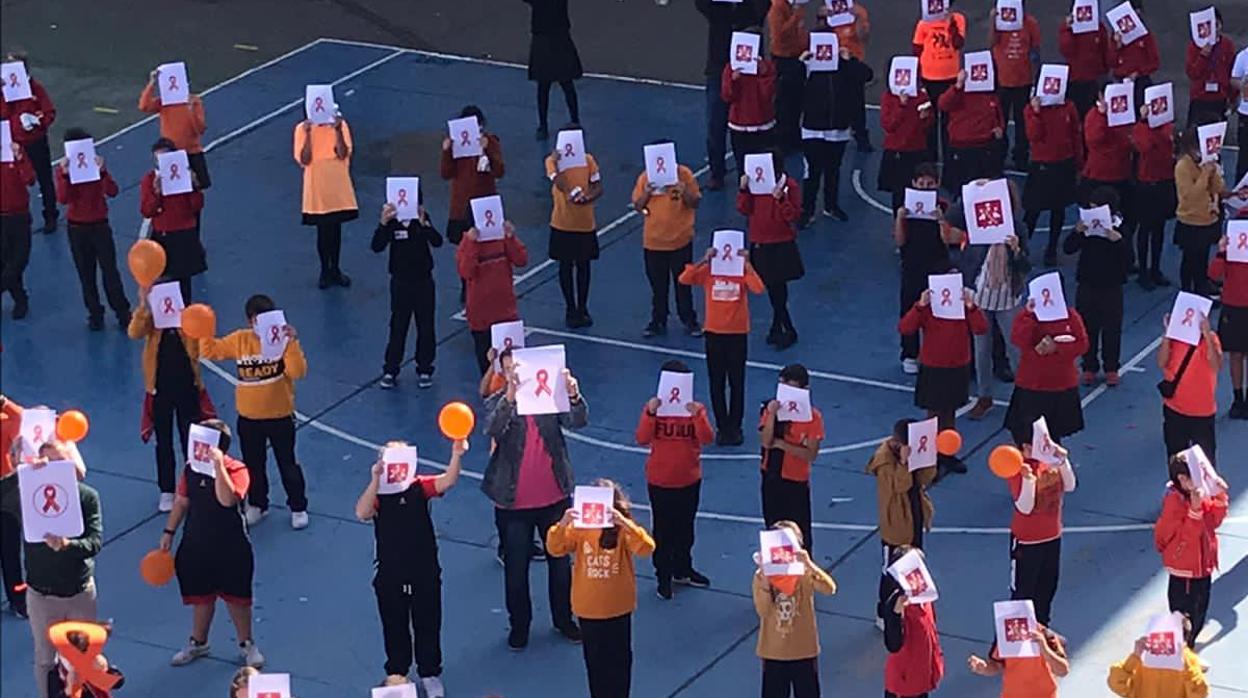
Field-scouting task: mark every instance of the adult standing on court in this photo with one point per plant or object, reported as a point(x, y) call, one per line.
point(553, 58)
point(183, 124)
point(938, 44)
point(29, 121)
point(529, 480)
point(722, 19)
point(1209, 69)
point(1190, 376)
point(324, 152)
point(788, 39)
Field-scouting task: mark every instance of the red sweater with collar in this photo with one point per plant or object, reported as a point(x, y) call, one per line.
point(1087, 54)
point(87, 202)
point(905, 128)
point(1139, 57)
point(1050, 372)
point(972, 117)
point(771, 219)
point(486, 267)
point(168, 213)
point(1054, 134)
point(1109, 149)
point(945, 342)
point(751, 99)
point(15, 178)
point(1234, 278)
point(1156, 149)
point(40, 104)
point(1214, 69)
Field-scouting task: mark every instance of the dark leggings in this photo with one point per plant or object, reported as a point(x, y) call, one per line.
point(329, 245)
point(582, 285)
point(778, 292)
point(569, 96)
point(1057, 221)
point(1149, 239)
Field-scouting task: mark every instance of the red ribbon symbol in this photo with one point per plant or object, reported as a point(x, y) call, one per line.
point(1187, 316)
point(918, 207)
point(922, 444)
point(318, 104)
point(758, 174)
point(506, 342)
point(567, 150)
point(1047, 296)
point(659, 165)
point(792, 406)
point(674, 395)
point(489, 219)
point(173, 83)
point(402, 197)
point(12, 79)
point(49, 499)
point(173, 171)
point(727, 253)
point(168, 306)
point(945, 296)
point(1243, 242)
point(275, 333)
point(38, 433)
point(82, 159)
point(463, 138)
point(542, 377)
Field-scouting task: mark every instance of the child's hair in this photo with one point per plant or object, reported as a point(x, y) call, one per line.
point(925, 169)
point(1105, 196)
point(901, 429)
point(17, 55)
point(792, 527)
point(242, 677)
point(257, 304)
point(505, 354)
point(223, 442)
point(163, 144)
point(473, 110)
point(795, 373)
point(899, 551)
point(675, 366)
point(75, 134)
point(1177, 465)
point(611, 536)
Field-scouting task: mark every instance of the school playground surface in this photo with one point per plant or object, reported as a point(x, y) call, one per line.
point(315, 614)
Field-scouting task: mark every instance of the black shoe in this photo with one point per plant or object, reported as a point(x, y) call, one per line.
point(1050, 258)
point(1004, 374)
point(123, 321)
point(572, 320)
point(1160, 279)
point(805, 221)
point(342, 279)
point(95, 323)
point(721, 438)
point(537, 552)
point(49, 223)
point(21, 308)
point(1146, 282)
point(1239, 410)
point(786, 338)
point(654, 329)
point(836, 213)
point(326, 280)
point(541, 134)
point(587, 320)
point(570, 631)
point(953, 464)
point(665, 589)
point(517, 639)
point(692, 578)
point(693, 329)
point(773, 336)
point(734, 438)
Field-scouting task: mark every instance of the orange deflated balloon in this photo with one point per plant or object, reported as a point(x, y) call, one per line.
point(456, 421)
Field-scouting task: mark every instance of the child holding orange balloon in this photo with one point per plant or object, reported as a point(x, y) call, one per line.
point(1037, 490)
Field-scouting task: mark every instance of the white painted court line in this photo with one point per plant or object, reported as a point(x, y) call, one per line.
point(1130, 366)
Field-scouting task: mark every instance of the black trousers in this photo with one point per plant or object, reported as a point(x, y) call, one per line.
point(14, 254)
point(1101, 308)
point(912, 286)
point(663, 267)
point(11, 559)
point(823, 162)
point(725, 362)
point(518, 527)
point(938, 138)
point(1057, 221)
point(1150, 234)
point(412, 298)
point(1191, 598)
point(790, 86)
point(253, 436)
point(1084, 93)
point(1195, 241)
point(93, 248)
point(329, 247)
point(608, 647)
point(858, 119)
point(744, 142)
point(1206, 113)
point(40, 155)
point(481, 348)
point(1034, 571)
point(411, 623)
point(171, 403)
point(674, 510)
point(569, 97)
point(787, 500)
point(1180, 432)
point(1014, 101)
point(778, 294)
point(798, 678)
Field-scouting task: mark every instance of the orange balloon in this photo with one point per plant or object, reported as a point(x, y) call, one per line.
point(456, 421)
point(199, 321)
point(156, 568)
point(147, 262)
point(1005, 461)
point(948, 442)
point(72, 426)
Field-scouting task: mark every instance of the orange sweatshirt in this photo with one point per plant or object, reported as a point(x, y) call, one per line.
point(727, 306)
point(266, 388)
point(789, 37)
point(10, 428)
point(181, 123)
point(141, 327)
point(604, 582)
point(675, 447)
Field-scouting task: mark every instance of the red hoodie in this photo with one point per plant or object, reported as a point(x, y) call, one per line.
point(972, 117)
point(1109, 149)
point(87, 201)
point(1235, 286)
point(40, 104)
point(917, 668)
point(751, 99)
point(1053, 372)
point(15, 178)
point(675, 443)
point(945, 342)
point(771, 219)
point(1139, 57)
point(1186, 539)
point(1054, 134)
point(905, 127)
point(168, 213)
point(1087, 54)
point(1156, 149)
point(1213, 71)
point(486, 266)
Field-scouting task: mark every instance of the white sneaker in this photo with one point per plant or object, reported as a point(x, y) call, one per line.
point(433, 687)
point(251, 656)
point(879, 624)
point(255, 514)
point(190, 653)
point(909, 367)
point(298, 520)
point(166, 502)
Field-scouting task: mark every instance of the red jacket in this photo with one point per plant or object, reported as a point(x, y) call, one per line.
point(1044, 523)
point(168, 213)
point(1087, 54)
point(1188, 541)
point(1212, 69)
point(905, 129)
point(87, 202)
point(1139, 57)
point(771, 219)
point(1108, 149)
point(486, 267)
point(675, 443)
point(466, 182)
point(1234, 277)
point(946, 343)
point(972, 117)
point(1050, 372)
point(15, 177)
point(751, 99)
point(1156, 149)
point(1054, 133)
point(40, 104)
point(919, 665)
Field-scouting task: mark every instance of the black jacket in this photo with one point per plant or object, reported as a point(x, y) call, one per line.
point(1102, 263)
point(410, 256)
point(723, 18)
point(832, 98)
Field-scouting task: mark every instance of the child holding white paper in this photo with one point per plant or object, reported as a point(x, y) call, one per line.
point(975, 127)
point(1131, 678)
point(412, 291)
point(1046, 383)
point(604, 590)
point(1107, 163)
point(1190, 410)
point(470, 177)
point(1209, 70)
point(15, 179)
point(773, 245)
point(674, 483)
point(915, 663)
point(667, 245)
point(829, 106)
point(183, 124)
point(1037, 492)
point(1013, 53)
point(1104, 260)
point(214, 558)
point(751, 101)
point(1154, 196)
point(1027, 676)
point(1056, 158)
point(408, 578)
point(924, 246)
point(1136, 61)
point(573, 231)
point(1200, 190)
point(175, 222)
point(1085, 53)
point(486, 267)
point(906, 121)
point(789, 450)
point(30, 120)
point(1233, 321)
point(324, 152)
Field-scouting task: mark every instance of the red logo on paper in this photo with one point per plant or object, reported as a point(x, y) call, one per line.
point(1052, 85)
point(1213, 145)
point(593, 513)
point(902, 77)
point(989, 214)
point(269, 694)
point(837, 7)
point(1009, 14)
point(783, 555)
point(1083, 13)
point(1204, 30)
point(1126, 24)
point(396, 473)
point(823, 52)
point(1118, 104)
point(916, 581)
point(201, 451)
point(1162, 644)
point(1017, 630)
point(745, 53)
point(1159, 105)
point(979, 72)
point(935, 6)
point(48, 500)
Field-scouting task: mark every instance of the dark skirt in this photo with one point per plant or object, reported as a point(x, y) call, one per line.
point(455, 229)
point(1154, 201)
point(331, 218)
point(963, 165)
point(1233, 329)
point(208, 570)
point(942, 389)
point(1197, 235)
point(184, 254)
point(553, 58)
point(897, 169)
point(1050, 185)
point(199, 165)
point(568, 246)
point(1061, 409)
point(777, 262)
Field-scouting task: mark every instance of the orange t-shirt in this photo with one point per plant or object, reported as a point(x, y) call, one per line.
point(326, 180)
point(939, 60)
point(669, 222)
point(1011, 53)
point(791, 467)
point(565, 215)
point(1194, 395)
point(181, 123)
point(10, 428)
point(848, 34)
point(727, 306)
